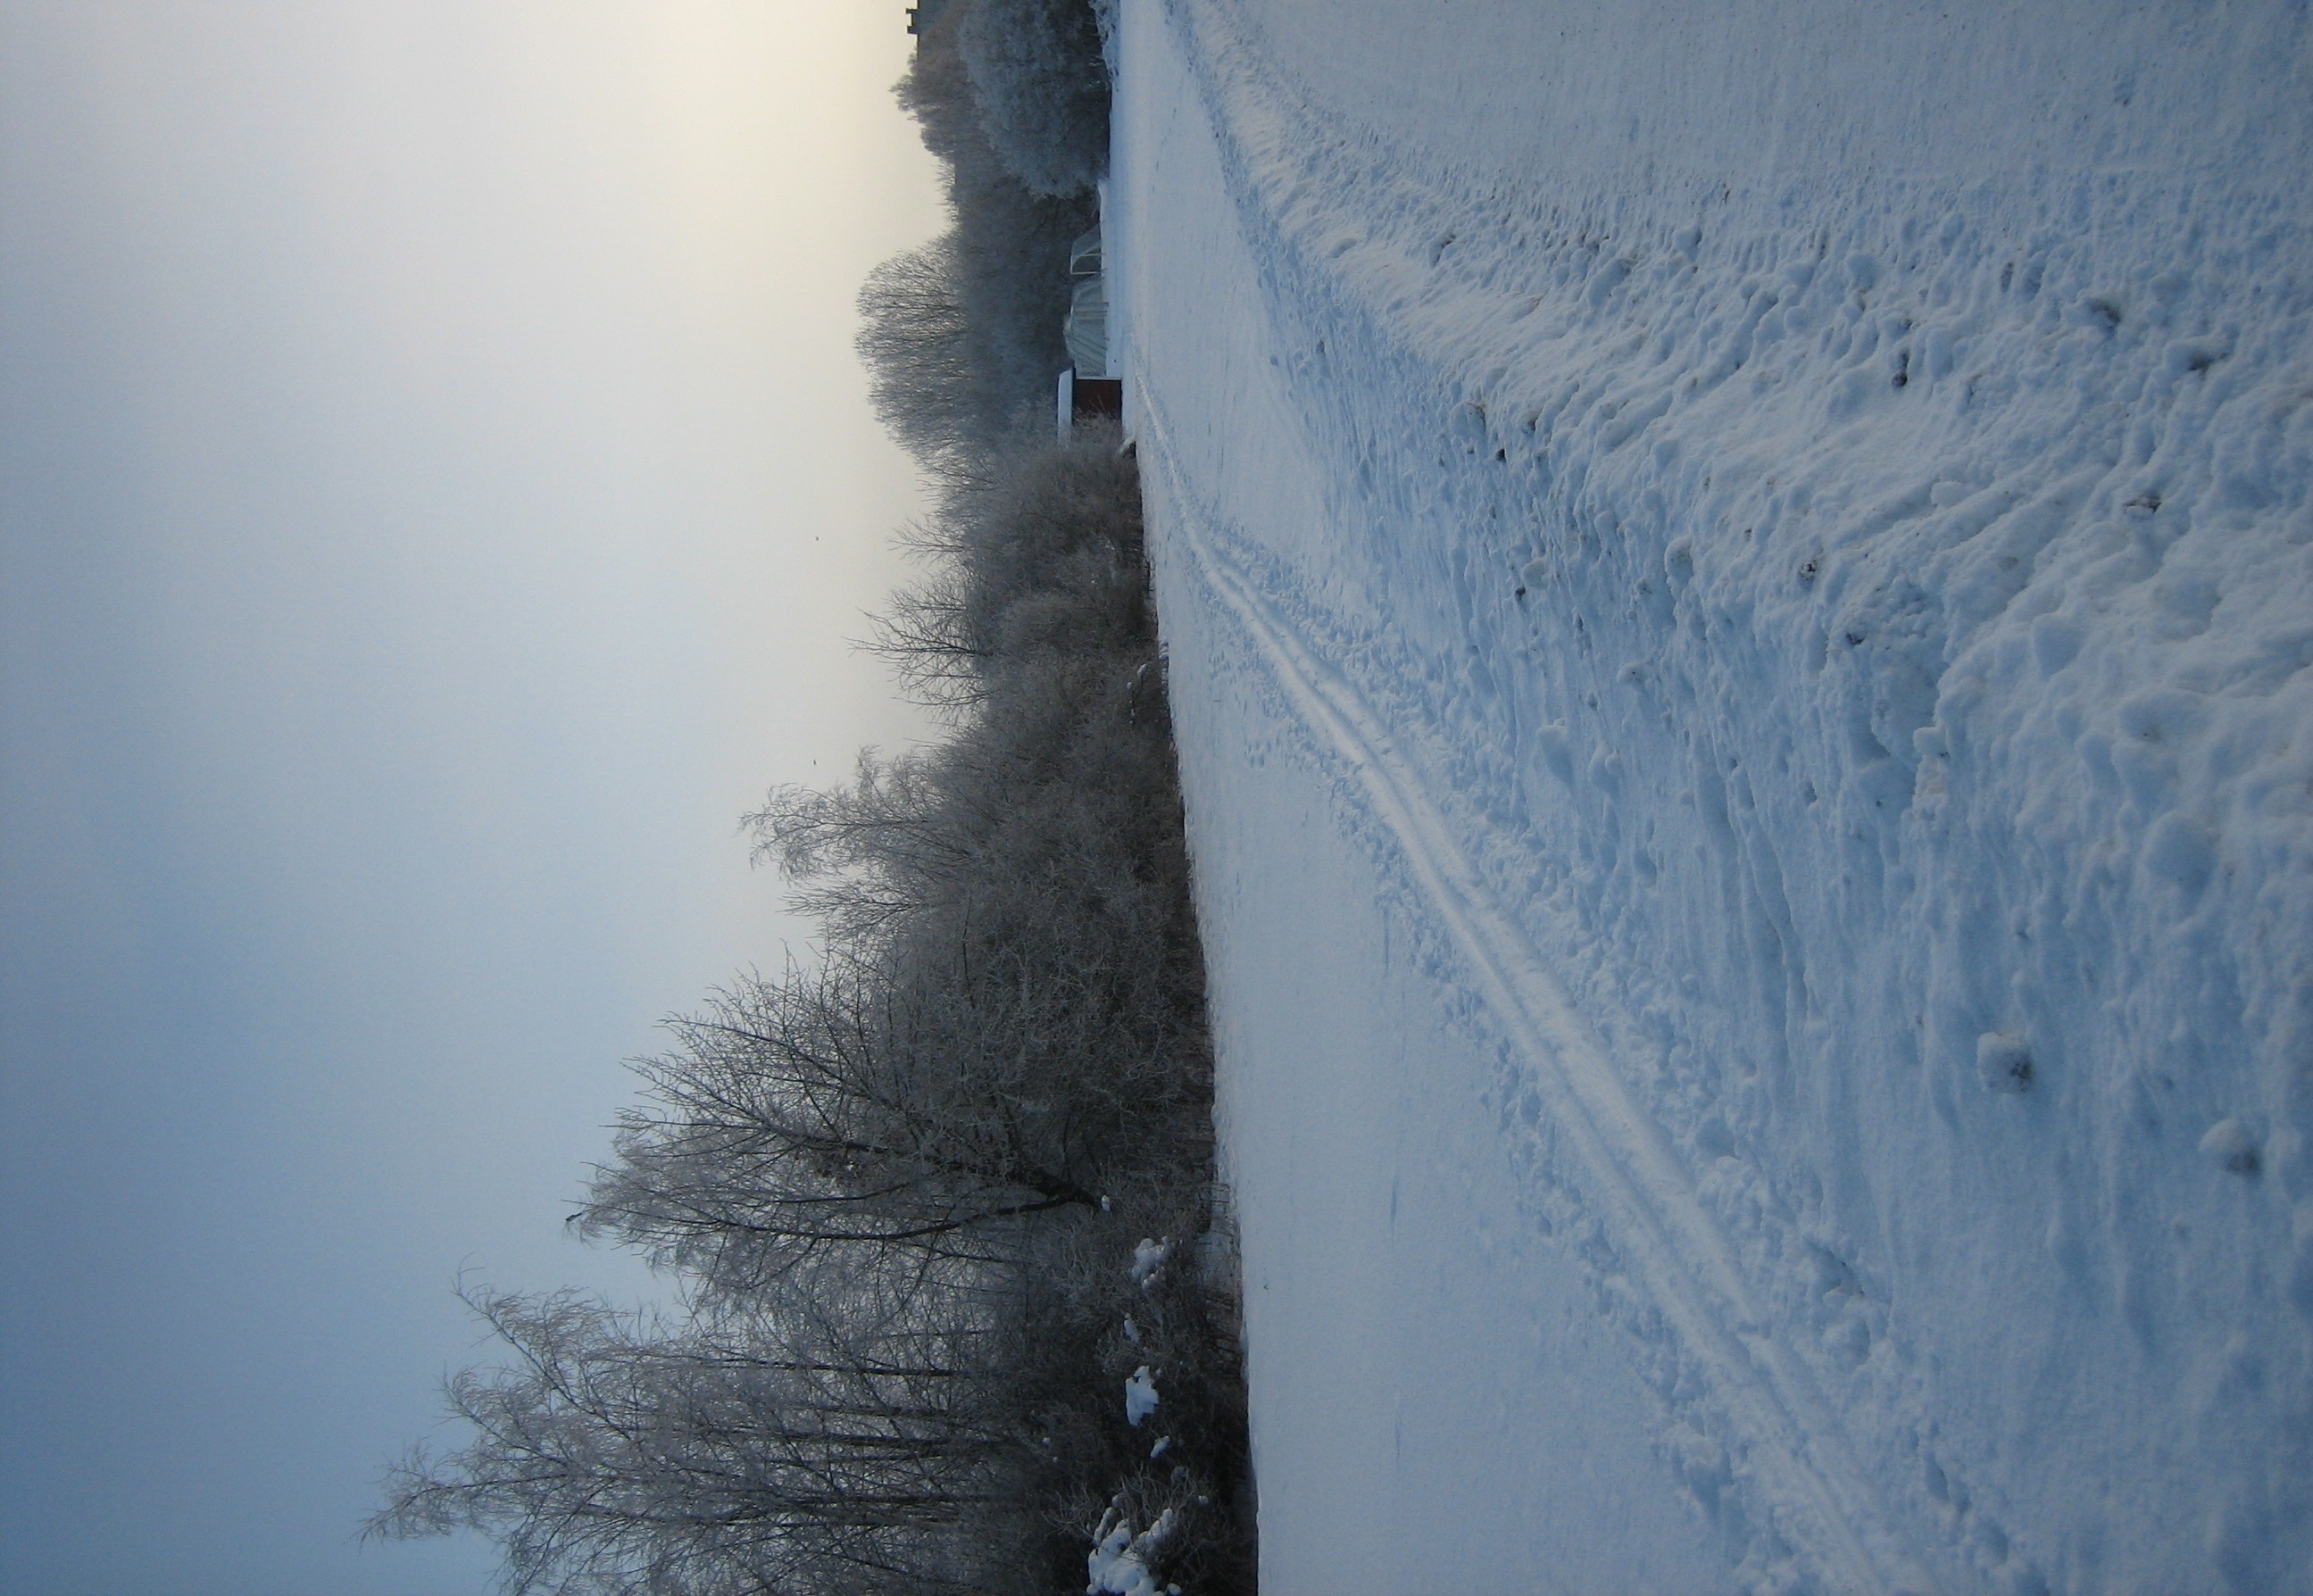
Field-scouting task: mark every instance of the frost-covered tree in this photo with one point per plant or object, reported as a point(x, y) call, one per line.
point(1008, 1007)
point(838, 1450)
point(1042, 89)
point(854, 1112)
point(901, 1183)
point(915, 341)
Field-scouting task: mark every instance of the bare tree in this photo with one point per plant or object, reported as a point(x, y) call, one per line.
point(767, 1454)
point(925, 638)
point(916, 342)
point(837, 1111)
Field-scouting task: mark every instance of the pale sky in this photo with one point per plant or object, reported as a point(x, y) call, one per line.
point(436, 497)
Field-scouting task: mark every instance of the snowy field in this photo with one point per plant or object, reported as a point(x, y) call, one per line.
point(1739, 584)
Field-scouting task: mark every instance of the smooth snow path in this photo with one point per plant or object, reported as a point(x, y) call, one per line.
point(1796, 1447)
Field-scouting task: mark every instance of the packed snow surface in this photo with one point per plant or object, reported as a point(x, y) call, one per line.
point(1739, 589)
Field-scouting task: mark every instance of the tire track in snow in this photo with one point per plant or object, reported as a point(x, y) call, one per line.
point(1796, 1448)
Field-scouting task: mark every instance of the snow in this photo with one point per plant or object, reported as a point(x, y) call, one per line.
point(2231, 1146)
point(1147, 1257)
point(1140, 1396)
point(2004, 1060)
point(1118, 1560)
point(1739, 594)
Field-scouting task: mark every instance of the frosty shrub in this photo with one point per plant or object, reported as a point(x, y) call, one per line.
point(1042, 87)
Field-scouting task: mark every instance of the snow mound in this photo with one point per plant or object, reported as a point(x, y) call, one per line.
point(1147, 1257)
point(1119, 1562)
point(1140, 1396)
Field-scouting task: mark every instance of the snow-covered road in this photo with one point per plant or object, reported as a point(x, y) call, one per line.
point(1740, 583)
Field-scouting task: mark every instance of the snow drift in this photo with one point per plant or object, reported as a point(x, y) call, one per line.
point(1740, 596)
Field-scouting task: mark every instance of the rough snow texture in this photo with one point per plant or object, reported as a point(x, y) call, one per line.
point(1739, 584)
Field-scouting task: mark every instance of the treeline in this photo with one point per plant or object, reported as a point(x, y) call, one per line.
point(962, 335)
point(958, 1304)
